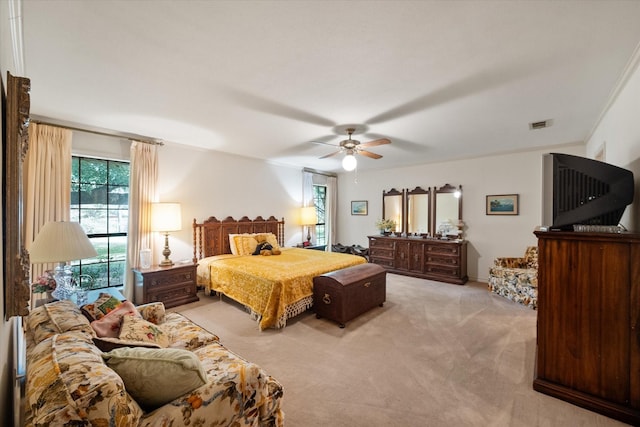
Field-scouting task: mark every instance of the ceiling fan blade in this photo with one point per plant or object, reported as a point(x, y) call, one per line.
point(330, 154)
point(380, 141)
point(369, 154)
point(323, 143)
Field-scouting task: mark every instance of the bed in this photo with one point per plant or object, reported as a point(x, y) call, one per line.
point(272, 288)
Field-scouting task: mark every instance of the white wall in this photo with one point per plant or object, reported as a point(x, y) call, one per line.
point(489, 236)
point(619, 133)
point(209, 183)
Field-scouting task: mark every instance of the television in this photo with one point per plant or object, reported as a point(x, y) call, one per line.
point(581, 191)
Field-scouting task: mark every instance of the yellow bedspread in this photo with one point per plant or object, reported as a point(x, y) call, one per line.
point(271, 286)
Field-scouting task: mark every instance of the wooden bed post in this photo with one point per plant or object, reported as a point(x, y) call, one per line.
point(281, 232)
point(197, 241)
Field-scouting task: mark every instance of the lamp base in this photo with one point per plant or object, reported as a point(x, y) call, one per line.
point(166, 262)
point(64, 289)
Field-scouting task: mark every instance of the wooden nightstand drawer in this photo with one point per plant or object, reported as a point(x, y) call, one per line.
point(172, 286)
point(170, 278)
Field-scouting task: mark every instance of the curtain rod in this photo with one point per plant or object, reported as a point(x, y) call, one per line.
point(103, 132)
point(320, 172)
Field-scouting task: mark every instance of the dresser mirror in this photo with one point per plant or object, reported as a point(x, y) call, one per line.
point(447, 208)
point(418, 211)
point(393, 208)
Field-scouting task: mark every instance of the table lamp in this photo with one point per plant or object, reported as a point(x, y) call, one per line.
point(308, 218)
point(61, 241)
point(166, 217)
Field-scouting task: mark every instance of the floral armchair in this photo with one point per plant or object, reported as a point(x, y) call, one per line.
point(516, 278)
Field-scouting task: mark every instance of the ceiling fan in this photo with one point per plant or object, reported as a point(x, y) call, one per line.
point(351, 147)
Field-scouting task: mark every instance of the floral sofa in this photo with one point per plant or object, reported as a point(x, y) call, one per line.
point(516, 278)
point(187, 378)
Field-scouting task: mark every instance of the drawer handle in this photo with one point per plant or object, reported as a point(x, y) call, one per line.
point(366, 285)
point(326, 299)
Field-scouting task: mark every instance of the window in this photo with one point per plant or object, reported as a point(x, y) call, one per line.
point(100, 203)
point(320, 202)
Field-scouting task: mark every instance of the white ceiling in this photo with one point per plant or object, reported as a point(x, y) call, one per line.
point(441, 79)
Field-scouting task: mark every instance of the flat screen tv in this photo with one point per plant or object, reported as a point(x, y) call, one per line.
point(581, 191)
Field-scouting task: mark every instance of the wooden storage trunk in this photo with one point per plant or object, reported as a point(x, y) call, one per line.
point(342, 295)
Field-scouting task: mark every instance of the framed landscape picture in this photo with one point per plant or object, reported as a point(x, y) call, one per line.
point(502, 204)
point(359, 207)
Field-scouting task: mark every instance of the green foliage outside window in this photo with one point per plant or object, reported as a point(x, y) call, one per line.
point(100, 203)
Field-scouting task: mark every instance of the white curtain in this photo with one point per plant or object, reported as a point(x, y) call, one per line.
point(331, 210)
point(307, 199)
point(143, 180)
point(46, 183)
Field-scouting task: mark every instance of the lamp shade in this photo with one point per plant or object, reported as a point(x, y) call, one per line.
point(166, 217)
point(61, 241)
point(308, 216)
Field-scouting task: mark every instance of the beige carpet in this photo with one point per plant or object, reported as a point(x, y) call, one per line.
point(435, 355)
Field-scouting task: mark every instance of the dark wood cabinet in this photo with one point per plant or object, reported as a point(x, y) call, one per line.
point(172, 286)
point(442, 260)
point(588, 333)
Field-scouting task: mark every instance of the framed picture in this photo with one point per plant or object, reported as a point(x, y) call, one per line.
point(359, 207)
point(502, 204)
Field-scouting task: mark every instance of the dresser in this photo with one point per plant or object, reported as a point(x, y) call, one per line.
point(441, 260)
point(172, 286)
point(588, 333)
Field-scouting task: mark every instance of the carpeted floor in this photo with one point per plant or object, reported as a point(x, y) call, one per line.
point(435, 355)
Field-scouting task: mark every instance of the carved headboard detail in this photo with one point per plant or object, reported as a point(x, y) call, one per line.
point(211, 237)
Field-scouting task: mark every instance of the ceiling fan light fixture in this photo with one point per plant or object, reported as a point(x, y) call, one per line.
point(349, 162)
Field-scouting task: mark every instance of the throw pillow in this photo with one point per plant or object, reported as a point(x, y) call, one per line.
point(154, 377)
point(106, 344)
point(100, 307)
point(245, 245)
point(54, 318)
point(137, 329)
point(109, 325)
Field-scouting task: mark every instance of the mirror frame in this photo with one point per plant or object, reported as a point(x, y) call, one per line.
point(417, 191)
point(15, 143)
point(447, 188)
point(391, 193)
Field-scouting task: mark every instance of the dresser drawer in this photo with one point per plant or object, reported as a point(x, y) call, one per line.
point(443, 249)
point(383, 261)
point(443, 260)
point(172, 295)
point(380, 243)
point(443, 270)
point(381, 252)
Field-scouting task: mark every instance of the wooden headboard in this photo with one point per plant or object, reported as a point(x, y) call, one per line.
point(211, 237)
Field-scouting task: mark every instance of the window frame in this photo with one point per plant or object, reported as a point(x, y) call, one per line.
point(80, 267)
point(320, 203)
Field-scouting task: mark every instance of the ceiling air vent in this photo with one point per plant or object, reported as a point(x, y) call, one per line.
point(540, 125)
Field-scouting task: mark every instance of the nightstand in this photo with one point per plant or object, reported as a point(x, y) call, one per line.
point(172, 286)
